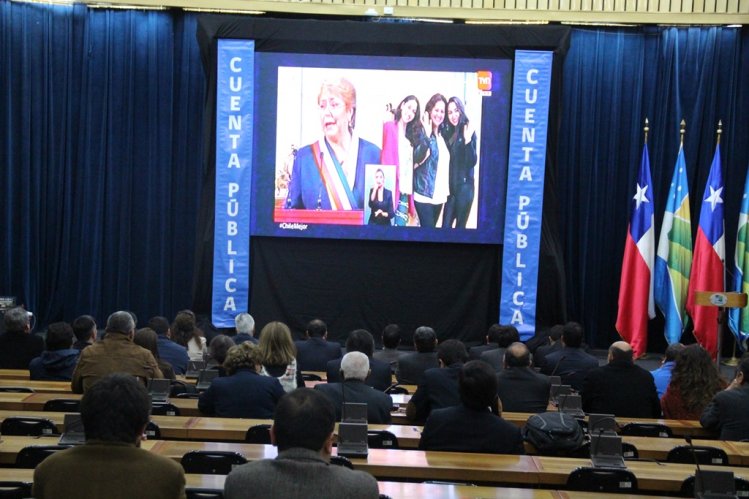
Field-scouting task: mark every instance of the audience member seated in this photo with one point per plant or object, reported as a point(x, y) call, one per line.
point(188, 334)
point(244, 323)
point(314, 353)
point(58, 361)
point(277, 356)
point(520, 388)
point(361, 340)
point(505, 336)
point(244, 392)
point(539, 339)
point(475, 425)
point(662, 375)
point(147, 338)
point(694, 382)
point(439, 387)
point(621, 388)
point(303, 432)
point(554, 343)
point(354, 372)
point(111, 463)
point(728, 412)
point(84, 328)
point(116, 353)
point(391, 338)
point(570, 362)
point(474, 353)
point(18, 345)
point(217, 351)
point(169, 350)
point(411, 366)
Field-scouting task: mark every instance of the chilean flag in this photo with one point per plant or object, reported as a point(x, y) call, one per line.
point(636, 303)
point(708, 260)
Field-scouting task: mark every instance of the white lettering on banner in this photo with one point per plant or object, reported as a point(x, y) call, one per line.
point(233, 189)
point(233, 64)
point(230, 248)
point(232, 207)
point(518, 262)
point(527, 153)
point(517, 317)
point(529, 118)
point(233, 161)
point(235, 84)
point(234, 103)
point(520, 279)
point(231, 228)
point(235, 122)
point(234, 139)
point(529, 135)
point(525, 174)
point(522, 241)
point(523, 201)
point(230, 282)
point(231, 265)
point(517, 298)
point(531, 79)
point(229, 304)
point(523, 220)
point(528, 98)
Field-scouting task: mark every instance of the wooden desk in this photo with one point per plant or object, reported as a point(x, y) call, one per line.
point(14, 374)
point(38, 386)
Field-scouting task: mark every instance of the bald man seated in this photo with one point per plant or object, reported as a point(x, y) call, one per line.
point(620, 387)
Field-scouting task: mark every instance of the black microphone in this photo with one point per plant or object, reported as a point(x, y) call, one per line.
point(343, 392)
point(557, 365)
point(698, 486)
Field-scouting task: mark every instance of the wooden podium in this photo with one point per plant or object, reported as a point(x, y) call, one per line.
point(724, 301)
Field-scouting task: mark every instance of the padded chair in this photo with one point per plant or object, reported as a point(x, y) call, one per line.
point(191, 493)
point(16, 389)
point(27, 426)
point(63, 405)
point(397, 390)
point(31, 456)
point(341, 461)
point(153, 431)
point(258, 434)
point(602, 480)
point(742, 487)
point(703, 454)
point(187, 395)
point(205, 462)
point(646, 430)
point(311, 377)
point(382, 439)
point(14, 490)
point(178, 388)
point(164, 410)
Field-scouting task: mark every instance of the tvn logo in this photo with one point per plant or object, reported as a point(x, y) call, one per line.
point(484, 82)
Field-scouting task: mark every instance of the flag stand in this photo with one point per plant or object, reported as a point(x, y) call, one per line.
point(723, 301)
point(733, 361)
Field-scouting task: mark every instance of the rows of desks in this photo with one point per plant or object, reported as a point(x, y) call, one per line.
point(528, 471)
point(231, 429)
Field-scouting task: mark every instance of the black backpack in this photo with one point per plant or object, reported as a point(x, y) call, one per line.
point(553, 433)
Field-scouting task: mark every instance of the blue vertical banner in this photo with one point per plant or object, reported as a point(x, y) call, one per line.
point(525, 190)
point(231, 241)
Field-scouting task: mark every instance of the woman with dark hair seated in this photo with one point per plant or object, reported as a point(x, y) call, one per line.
point(694, 382)
point(217, 350)
point(244, 393)
point(146, 337)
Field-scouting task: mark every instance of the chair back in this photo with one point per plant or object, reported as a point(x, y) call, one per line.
point(311, 377)
point(382, 439)
point(16, 389)
point(164, 409)
point(396, 390)
point(31, 456)
point(62, 405)
point(27, 426)
point(687, 487)
point(602, 480)
point(702, 453)
point(153, 431)
point(646, 430)
point(342, 461)
point(258, 434)
point(211, 462)
point(14, 490)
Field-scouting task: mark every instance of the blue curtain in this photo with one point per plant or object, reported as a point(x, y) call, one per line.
point(101, 115)
point(613, 79)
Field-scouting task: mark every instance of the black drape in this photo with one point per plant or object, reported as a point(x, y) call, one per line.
point(353, 284)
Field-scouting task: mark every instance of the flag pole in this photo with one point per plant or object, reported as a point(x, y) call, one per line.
point(646, 129)
point(722, 311)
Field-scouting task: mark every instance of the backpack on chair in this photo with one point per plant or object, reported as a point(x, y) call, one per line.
point(553, 433)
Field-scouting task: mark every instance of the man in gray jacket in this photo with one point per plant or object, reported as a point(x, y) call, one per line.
point(303, 432)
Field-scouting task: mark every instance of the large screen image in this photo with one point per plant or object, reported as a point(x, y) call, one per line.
point(380, 148)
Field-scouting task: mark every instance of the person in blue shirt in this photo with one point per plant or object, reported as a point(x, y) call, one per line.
point(58, 361)
point(662, 375)
point(170, 351)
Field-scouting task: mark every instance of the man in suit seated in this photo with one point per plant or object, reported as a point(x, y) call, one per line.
point(553, 343)
point(506, 336)
point(361, 340)
point(475, 425)
point(411, 366)
point(303, 432)
point(169, 350)
point(115, 411)
point(354, 371)
point(391, 338)
point(315, 351)
point(439, 387)
point(728, 411)
point(520, 388)
point(492, 336)
point(244, 323)
point(621, 388)
point(570, 363)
